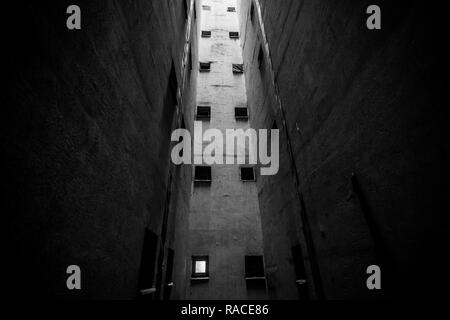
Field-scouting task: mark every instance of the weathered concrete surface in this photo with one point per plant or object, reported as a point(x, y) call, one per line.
point(224, 216)
point(354, 101)
point(89, 116)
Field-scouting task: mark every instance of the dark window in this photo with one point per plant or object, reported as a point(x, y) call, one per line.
point(203, 173)
point(241, 113)
point(148, 260)
point(300, 272)
point(238, 68)
point(207, 8)
point(261, 58)
point(182, 126)
point(169, 284)
point(200, 266)
point(252, 12)
point(254, 267)
point(274, 125)
point(247, 174)
point(185, 8)
point(203, 113)
point(190, 58)
point(205, 66)
point(231, 9)
point(195, 10)
point(206, 34)
point(234, 35)
point(170, 101)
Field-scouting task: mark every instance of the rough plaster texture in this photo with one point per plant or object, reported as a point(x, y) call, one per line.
point(87, 142)
point(354, 101)
point(224, 216)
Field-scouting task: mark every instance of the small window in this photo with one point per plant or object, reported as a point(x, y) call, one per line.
point(195, 11)
point(206, 34)
point(274, 125)
point(261, 58)
point(234, 35)
point(206, 8)
point(238, 68)
point(241, 113)
point(200, 267)
point(231, 9)
point(203, 113)
point(190, 58)
point(202, 174)
point(254, 267)
point(205, 66)
point(185, 9)
point(148, 261)
point(182, 126)
point(252, 12)
point(247, 174)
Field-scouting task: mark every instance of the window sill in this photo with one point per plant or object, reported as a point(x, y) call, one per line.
point(255, 278)
point(148, 291)
point(199, 278)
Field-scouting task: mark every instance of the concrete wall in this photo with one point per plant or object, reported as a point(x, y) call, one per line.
point(224, 216)
point(87, 142)
point(349, 101)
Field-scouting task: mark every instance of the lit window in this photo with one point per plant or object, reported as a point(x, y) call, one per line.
point(241, 113)
point(234, 35)
point(206, 34)
point(202, 174)
point(203, 113)
point(200, 267)
point(205, 66)
point(247, 174)
point(238, 68)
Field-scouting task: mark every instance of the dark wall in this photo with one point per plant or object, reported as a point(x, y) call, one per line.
point(352, 102)
point(88, 116)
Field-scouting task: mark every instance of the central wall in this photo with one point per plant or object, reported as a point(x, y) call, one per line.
point(224, 216)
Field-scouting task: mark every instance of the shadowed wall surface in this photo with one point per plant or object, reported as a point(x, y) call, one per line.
point(89, 116)
point(353, 102)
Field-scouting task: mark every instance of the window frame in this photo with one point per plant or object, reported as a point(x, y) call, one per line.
point(234, 34)
point(203, 64)
point(241, 117)
point(206, 34)
point(261, 58)
point(256, 276)
point(201, 117)
point(196, 275)
point(252, 12)
point(244, 168)
point(238, 68)
point(196, 179)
